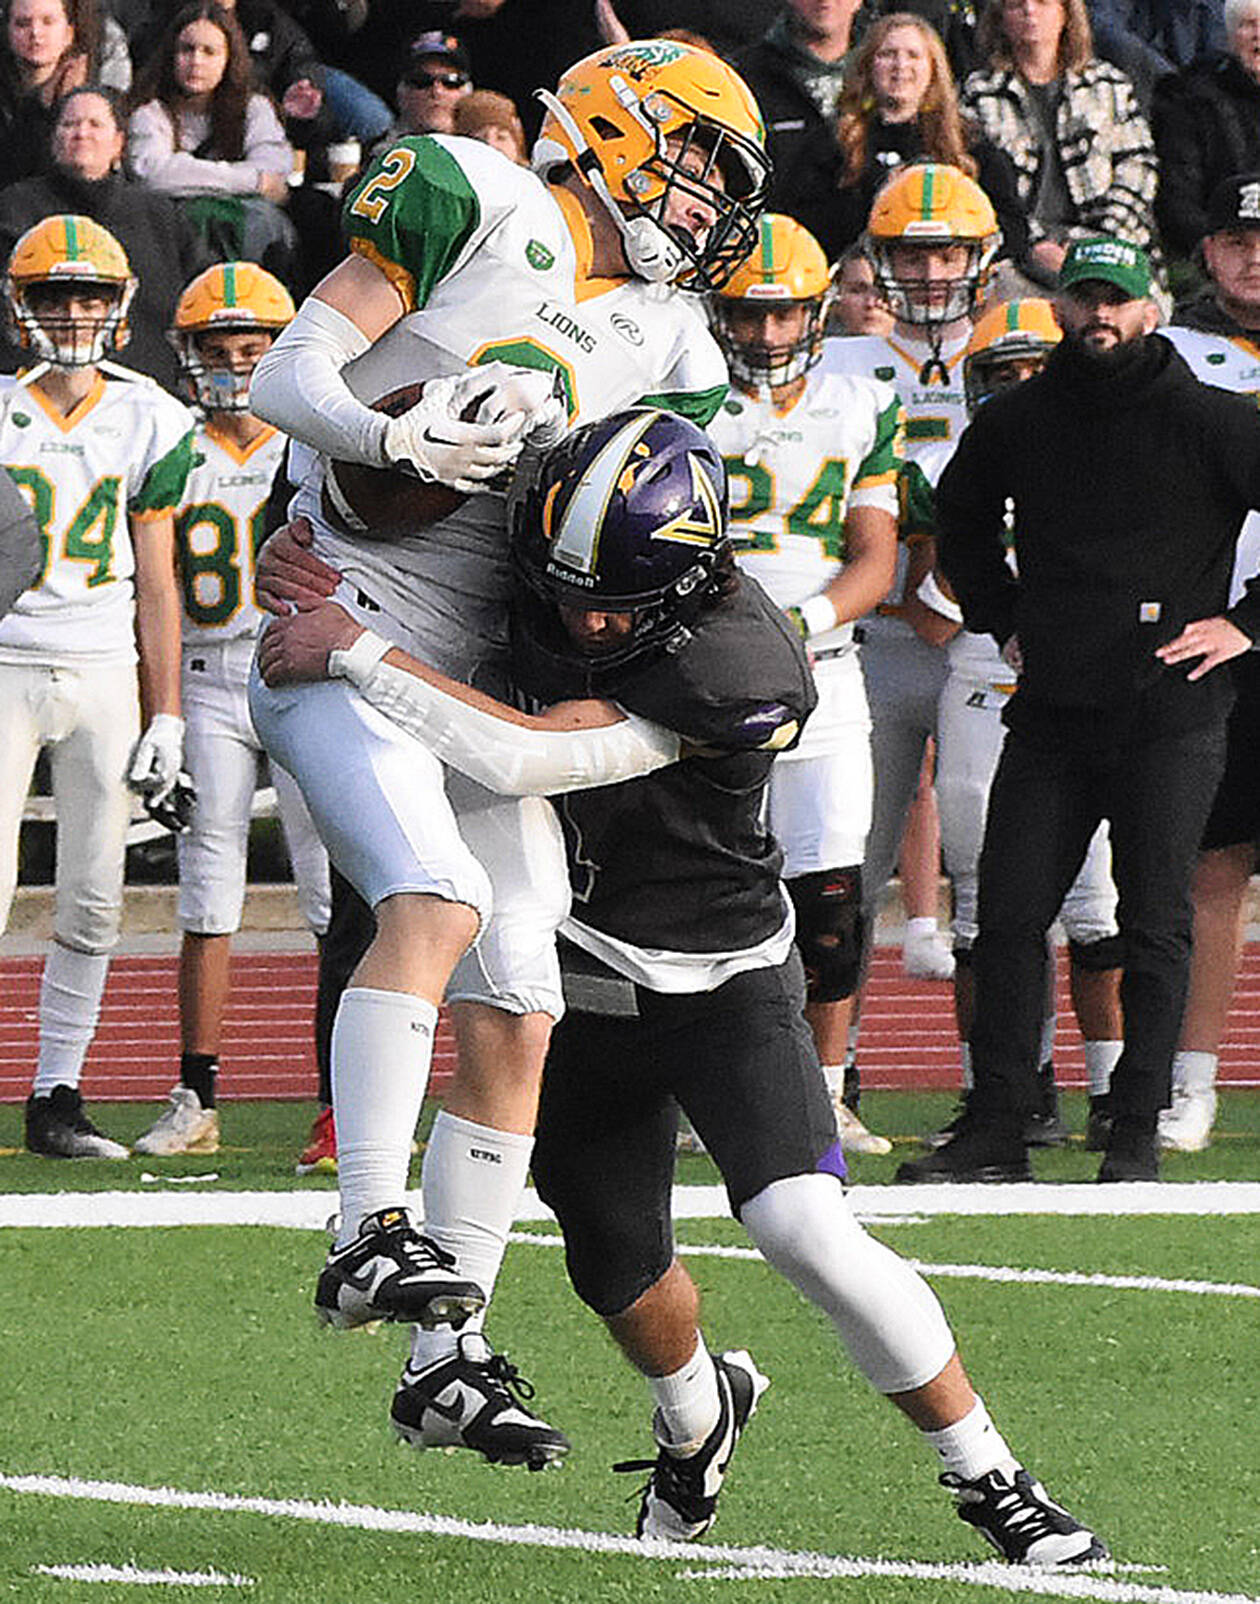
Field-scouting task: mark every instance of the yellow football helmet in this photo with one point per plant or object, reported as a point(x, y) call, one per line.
point(613, 117)
point(787, 268)
point(230, 297)
point(931, 203)
point(1012, 331)
point(66, 249)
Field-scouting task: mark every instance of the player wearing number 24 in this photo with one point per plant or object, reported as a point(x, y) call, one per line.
point(102, 454)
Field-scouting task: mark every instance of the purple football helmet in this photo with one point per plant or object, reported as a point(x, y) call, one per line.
point(624, 515)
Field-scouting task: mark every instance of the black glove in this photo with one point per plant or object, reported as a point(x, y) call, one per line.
point(173, 809)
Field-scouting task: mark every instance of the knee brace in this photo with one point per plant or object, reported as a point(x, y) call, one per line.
point(830, 933)
point(1095, 956)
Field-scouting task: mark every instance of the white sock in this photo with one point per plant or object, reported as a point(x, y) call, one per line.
point(918, 930)
point(1047, 1040)
point(833, 1074)
point(382, 1045)
point(1101, 1057)
point(973, 1446)
point(964, 1058)
point(1194, 1071)
point(473, 1178)
point(687, 1402)
point(69, 1007)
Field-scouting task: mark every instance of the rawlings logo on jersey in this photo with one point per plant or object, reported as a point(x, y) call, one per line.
point(627, 328)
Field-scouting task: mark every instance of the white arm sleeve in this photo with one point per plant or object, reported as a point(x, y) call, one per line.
point(504, 757)
point(298, 386)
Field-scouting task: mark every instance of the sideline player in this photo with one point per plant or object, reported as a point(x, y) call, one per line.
point(224, 321)
point(1010, 343)
point(102, 454)
point(683, 984)
point(931, 238)
point(1218, 333)
point(650, 172)
point(812, 462)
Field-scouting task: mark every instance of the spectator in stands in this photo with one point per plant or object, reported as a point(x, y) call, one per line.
point(201, 132)
point(49, 46)
point(433, 79)
point(1083, 154)
point(85, 176)
point(1207, 127)
point(488, 116)
point(898, 104)
point(796, 71)
point(1147, 39)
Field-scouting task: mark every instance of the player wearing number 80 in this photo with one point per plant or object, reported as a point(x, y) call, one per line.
point(225, 320)
point(103, 455)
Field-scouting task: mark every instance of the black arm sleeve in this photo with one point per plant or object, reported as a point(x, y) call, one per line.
point(970, 524)
point(20, 555)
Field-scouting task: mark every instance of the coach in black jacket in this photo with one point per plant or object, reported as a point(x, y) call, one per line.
point(1129, 481)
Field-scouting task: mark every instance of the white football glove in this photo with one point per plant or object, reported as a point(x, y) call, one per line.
point(156, 756)
point(432, 441)
point(504, 393)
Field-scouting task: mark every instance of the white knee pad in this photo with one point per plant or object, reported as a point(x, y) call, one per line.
point(887, 1315)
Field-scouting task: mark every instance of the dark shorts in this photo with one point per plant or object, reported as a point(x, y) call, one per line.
point(740, 1061)
point(1235, 816)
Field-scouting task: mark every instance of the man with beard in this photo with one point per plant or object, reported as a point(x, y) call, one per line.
point(1129, 480)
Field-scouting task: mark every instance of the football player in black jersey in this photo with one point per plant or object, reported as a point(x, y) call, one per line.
point(682, 983)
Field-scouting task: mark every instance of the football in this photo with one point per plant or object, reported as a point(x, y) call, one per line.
point(389, 501)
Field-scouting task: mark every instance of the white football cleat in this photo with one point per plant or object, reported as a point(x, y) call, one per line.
point(854, 1136)
point(1186, 1127)
point(184, 1126)
point(927, 957)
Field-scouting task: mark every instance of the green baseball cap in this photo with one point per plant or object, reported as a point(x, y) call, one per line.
point(1115, 261)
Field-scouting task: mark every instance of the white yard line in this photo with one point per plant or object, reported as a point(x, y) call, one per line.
point(310, 1210)
point(974, 1272)
point(139, 1578)
point(730, 1560)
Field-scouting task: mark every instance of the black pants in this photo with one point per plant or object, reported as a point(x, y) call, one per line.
point(1046, 802)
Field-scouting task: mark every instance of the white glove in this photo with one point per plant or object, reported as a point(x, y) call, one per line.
point(156, 756)
point(502, 392)
point(432, 441)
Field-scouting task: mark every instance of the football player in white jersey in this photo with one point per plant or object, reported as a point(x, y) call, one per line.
point(1218, 333)
point(812, 461)
point(1010, 343)
point(224, 321)
point(931, 237)
point(525, 300)
point(102, 455)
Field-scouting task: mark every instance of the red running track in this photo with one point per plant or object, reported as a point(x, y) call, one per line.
point(907, 1039)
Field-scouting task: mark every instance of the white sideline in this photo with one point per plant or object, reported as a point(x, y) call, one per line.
point(744, 1563)
point(310, 1210)
point(137, 1578)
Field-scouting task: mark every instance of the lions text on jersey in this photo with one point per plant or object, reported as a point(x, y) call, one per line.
point(505, 277)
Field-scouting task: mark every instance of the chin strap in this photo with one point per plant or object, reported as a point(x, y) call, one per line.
point(934, 368)
point(650, 252)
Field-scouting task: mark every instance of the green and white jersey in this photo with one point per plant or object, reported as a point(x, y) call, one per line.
point(493, 266)
point(794, 475)
point(124, 452)
point(1230, 362)
point(218, 529)
point(936, 413)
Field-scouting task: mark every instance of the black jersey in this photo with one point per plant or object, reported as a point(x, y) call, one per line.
point(681, 860)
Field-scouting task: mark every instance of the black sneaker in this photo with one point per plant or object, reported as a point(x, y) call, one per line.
point(57, 1126)
point(391, 1272)
point(979, 1149)
point(679, 1502)
point(465, 1401)
point(1098, 1125)
point(1132, 1153)
point(1022, 1522)
point(1045, 1128)
point(951, 1127)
